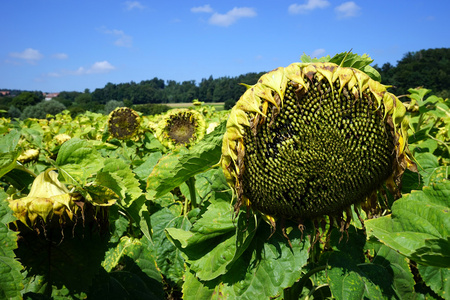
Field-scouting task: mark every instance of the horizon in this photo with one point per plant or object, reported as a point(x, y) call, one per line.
point(117, 42)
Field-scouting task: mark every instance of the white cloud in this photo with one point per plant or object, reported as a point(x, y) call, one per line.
point(309, 6)
point(232, 16)
point(318, 53)
point(123, 40)
point(347, 10)
point(202, 9)
point(97, 68)
point(130, 5)
point(60, 56)
point(29, 54)
point(100, 67)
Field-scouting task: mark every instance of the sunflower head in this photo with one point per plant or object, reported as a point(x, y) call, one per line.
point(61, 138)
point(312, 139)
point(29, 155)
point(181, 127)
point(48, 197)
point(123, 123)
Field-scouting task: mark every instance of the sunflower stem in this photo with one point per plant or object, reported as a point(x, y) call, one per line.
point(191, 185)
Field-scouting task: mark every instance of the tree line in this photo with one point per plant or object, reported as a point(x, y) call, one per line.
point(428, 68)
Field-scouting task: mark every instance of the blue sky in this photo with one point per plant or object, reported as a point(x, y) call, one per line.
point(64, 45)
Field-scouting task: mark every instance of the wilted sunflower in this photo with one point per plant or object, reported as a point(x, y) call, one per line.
point(181, 127)
point(47, 197)
point(311, 139)
point(61, 138)
point(29, 155)
point(123, 123)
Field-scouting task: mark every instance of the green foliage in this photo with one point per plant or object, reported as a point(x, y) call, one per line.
point(26, 99)
point(41, 109)
point(10, 269)
point(160, 223)
point(151, 109)
point(428, 68)
point(14, 112)
point(112, 105)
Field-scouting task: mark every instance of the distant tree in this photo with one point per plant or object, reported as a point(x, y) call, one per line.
point(127, 102)
point(41, 109)
point(151, 109)
point(83, 99)
point(112, 105)
point(14, 112)
point(76, 110)
point(229, 104)
point(26, 99)
point(428, 68)
point(68, 96)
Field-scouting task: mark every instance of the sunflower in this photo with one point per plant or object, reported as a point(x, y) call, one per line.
point(123, 123)
point(312, 139)
point(181, 127)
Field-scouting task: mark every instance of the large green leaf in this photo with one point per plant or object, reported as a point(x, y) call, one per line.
point(264, 270)
point(168, 257)
point(349, 280)
point(136, 264)
point(437, 279)
point(398, 267)
point(212, 245)
point(10, 269)
point(113, 255)
point(214, 242)
point(78, 160)
point(419, 225)
point(8, 151)
point(117, 175)
point(144, 169)
point(430, 169)
point(178, 166)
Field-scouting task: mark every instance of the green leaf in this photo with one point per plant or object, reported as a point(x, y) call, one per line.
point(349, 280)
point(113, 255)
point(213, 244)
point(144, 170)
point(398, 268)
point(8, 142)
point(178, 166)
point(8, 151)
point(360, 62)
point(117, 175)
point(419, 225)
point(135, 257)
point(264, 269)
point(168, 257)
point(78, 159)
point(436, 252)
point(437, 279)
point(10, 269)
point(430, 169)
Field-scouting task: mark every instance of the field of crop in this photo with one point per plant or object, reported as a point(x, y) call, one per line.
point(85, 214)
point(218, 106)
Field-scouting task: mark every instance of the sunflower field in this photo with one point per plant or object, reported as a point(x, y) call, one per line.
point(202, 204)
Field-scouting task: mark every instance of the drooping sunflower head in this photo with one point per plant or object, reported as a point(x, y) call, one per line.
point(312, 139)
point(123, 123)
point(181, 127)
point(29, 155)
